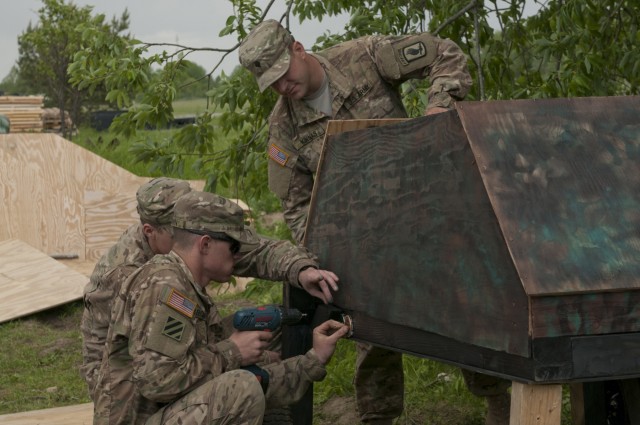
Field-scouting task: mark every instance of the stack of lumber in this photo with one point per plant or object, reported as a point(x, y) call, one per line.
point(24, 113)
point(51, 122)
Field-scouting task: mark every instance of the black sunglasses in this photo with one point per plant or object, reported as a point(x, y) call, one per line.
point(234, 245)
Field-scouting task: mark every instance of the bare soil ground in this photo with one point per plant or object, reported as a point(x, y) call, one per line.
point(337, 411)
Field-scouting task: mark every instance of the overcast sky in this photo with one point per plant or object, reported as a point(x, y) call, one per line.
point(195, 23)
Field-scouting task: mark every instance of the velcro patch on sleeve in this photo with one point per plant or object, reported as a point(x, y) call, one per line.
point(413, 52)
point(402, 56)
point(173, 328)
point(278, 155)
point(279, 179)
point(170, 333)
point(179, 302)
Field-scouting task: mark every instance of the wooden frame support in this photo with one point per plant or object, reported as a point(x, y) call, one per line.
point(534, 404)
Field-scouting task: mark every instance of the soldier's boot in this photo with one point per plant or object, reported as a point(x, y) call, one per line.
point(277, 416)
point(498, 409)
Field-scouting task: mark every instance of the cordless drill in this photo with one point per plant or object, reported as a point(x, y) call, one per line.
point(265, 318)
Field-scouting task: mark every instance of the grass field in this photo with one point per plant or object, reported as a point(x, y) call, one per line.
point(117, 150)
point(189, 107)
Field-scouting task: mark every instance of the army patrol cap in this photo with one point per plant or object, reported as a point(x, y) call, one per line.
point(157, 198)
point(265, 52)
point(207, 212)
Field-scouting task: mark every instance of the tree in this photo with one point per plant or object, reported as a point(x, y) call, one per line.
point(13, 84)
point(569, 48)
point(47, 48)
point(192, 81)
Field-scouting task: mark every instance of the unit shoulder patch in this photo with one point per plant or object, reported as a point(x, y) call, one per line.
point(173, 328)
point(413, 52)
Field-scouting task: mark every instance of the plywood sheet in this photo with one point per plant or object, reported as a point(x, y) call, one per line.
point(43, 179)
point(79, 414)
point(40, 204)
point(84, 267)
point(63, 199)
point(31, 281)
point(108, 215)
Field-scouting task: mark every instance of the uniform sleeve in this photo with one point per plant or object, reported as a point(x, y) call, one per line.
point(98, 298)
point(275, 260)
point(424, 56)
point(290, 179)
point(290, 379)
point(170, 351)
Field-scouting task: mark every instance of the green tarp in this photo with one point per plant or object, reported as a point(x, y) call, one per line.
point(4, 124)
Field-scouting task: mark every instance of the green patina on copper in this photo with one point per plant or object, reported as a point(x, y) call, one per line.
point(507, 221)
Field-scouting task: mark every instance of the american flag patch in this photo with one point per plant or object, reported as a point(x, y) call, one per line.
point(180, 303)
point(278, 155)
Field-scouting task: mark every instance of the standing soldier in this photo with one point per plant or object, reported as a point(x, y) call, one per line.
point(357, 79)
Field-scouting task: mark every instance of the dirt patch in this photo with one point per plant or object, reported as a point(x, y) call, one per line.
point(337, 411)
point(64, 318)
point(59, 345)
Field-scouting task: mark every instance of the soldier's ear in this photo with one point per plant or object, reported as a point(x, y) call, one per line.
point(147, 229)
point(204, 243)
point(297, 47)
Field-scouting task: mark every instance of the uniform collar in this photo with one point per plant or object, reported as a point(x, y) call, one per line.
point(339, 87)
point(199, 290)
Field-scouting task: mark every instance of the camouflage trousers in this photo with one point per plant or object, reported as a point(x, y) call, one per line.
point(482, 385)
point(232, 398)
point(379, 383)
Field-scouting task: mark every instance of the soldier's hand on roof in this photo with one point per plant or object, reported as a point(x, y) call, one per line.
point(319, 283)
point(435, 110)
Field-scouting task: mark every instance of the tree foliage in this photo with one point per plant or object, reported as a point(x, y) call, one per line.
point(14, 84)
point(568, 48)
point(47, 48)
point(192, 82)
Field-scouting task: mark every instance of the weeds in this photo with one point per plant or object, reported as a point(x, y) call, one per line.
point(40, 356)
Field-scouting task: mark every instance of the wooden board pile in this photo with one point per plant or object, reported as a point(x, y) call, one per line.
point(24, 113)
point(51, 120)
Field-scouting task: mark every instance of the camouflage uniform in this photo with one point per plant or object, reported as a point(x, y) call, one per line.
point(168, 358)
point(364, 77)
point(128, 254)
point(269, 259)
point(155, 201)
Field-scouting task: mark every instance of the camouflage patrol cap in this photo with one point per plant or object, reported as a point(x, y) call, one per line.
point(157, 198)
point(208, 212)
point(265, 52)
